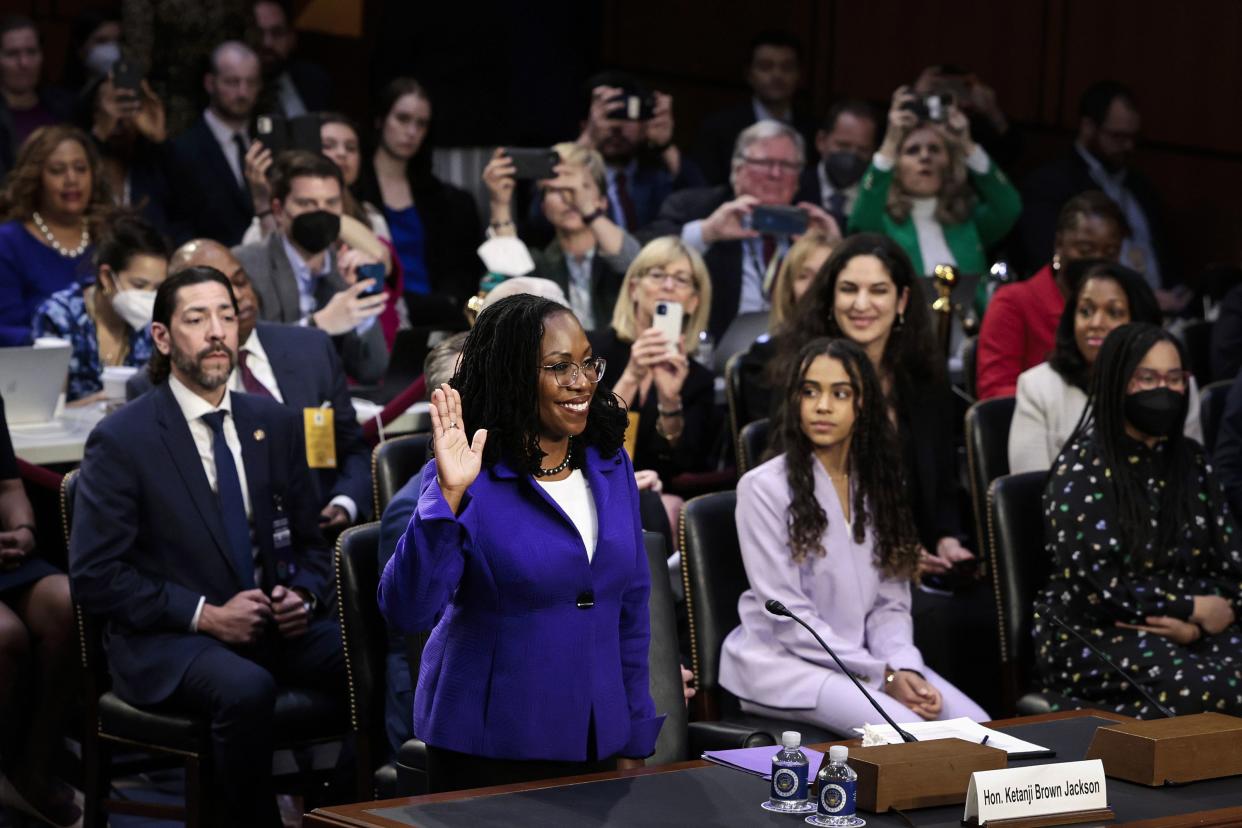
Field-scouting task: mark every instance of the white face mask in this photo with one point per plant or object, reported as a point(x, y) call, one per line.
point(101, 56)
point(136, 307)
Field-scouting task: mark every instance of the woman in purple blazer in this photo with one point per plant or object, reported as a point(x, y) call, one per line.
point(825, 529)
point(525, 554)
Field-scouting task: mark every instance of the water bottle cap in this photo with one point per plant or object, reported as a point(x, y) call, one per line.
point(838, 753)
point(791, 739)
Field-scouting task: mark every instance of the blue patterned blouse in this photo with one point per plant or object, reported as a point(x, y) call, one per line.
point(63, 314)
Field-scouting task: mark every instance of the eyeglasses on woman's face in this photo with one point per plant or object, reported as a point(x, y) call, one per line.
point(566, 373)
point(659, 276)
point(1145, 379)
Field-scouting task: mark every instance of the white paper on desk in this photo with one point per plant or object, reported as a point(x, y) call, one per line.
point(962, 728)
point(506, 255)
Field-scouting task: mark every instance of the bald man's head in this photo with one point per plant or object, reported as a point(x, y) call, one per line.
point(233, 82)
point(210, 253)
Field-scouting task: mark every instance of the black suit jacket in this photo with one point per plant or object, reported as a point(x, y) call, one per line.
point(1227, 454)
point(313, 83)
point(1227, 337)
point(723, 259)
point(925, 423)
point(215, 205)
point(148, 538)
point(1045, 192)
point(718, 133)
point(308, 374)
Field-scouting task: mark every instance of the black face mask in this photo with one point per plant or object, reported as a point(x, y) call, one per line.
point(1160, 412)
point(314, 231)
point(844, 169)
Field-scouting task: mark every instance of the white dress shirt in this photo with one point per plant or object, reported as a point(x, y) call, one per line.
point(573, 495)
point(224, 136)
point(193, 407)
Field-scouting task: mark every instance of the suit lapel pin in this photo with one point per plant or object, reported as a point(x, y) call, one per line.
point(259, 434)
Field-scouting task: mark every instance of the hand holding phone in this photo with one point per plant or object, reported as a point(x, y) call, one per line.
point(776, 220)
point(533, 164)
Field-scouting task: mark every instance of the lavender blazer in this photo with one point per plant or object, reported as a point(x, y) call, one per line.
point(863, 616)
point(534, 641)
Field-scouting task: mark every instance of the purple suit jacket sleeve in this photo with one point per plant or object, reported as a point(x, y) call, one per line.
point(636, 641)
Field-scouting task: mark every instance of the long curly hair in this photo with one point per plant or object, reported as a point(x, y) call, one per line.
point(1065, 358)
point(24, 187)
point(956, 198)
point(873, 462)
point(910, 353)
point(498, 379)
point(1103, 422)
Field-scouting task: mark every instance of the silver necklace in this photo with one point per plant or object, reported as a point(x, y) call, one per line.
point(564, 464)
point(83, 243)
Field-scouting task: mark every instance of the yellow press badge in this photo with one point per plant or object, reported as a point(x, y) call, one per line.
point(320, 438)
point(631, 433)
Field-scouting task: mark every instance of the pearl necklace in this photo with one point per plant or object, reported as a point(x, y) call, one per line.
point(83, 243)
point(564, 464)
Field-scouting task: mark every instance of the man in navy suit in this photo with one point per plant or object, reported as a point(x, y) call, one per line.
point(211, 154)
point(294, 365)
point(195, 540)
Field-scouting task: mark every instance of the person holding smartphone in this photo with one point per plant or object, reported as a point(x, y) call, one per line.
point(671, 394)
point(590, 254)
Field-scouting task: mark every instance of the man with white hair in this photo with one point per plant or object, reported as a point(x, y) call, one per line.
point(767, 161)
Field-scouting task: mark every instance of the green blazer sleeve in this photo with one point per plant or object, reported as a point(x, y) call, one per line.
point(868, 213)
point(999, 204)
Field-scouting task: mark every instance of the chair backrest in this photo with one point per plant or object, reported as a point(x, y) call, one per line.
point(752, 443)
point(1211, 410)
point(664, 659)
point(90, 633)
point(714, 578)
point(970, 366)
point(987, 456)
point(393, 463)
point(362, 626)
point(734, 401)
point(1020, 569)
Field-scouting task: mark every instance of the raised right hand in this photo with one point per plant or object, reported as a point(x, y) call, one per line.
point(900, 122)
point(1213, 613)
point(728, 221)
point(458, 460)
point(240, 621)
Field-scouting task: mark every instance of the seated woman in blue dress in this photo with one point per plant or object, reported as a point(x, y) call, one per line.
point(108, 322)
point(825, 529)
point(1144, 551)
point(525, 558)
point(53, 200)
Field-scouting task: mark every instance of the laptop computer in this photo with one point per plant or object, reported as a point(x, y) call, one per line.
point(31, 379)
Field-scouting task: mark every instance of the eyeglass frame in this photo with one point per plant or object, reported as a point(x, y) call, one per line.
point(769, 164)
point(650, 274)
point(1162, 380)
point(579, 369)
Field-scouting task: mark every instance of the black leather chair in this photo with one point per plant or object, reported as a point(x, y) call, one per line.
point(714, 579)
point(1211, 410)
point(365, 636)
point(303, 718)
point(1020, 569)
point(970, 366)
point(393, 463)
point(987, 457)
point(734, 402)
point(752, 443)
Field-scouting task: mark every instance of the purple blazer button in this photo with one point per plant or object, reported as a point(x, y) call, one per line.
point(586, 600)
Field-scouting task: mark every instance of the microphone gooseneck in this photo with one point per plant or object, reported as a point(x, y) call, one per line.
point(777, 608)
point(1046, 610)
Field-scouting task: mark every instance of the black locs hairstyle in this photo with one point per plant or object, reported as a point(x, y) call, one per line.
point(498, 379)
point(1104, 422)
point(874, 463)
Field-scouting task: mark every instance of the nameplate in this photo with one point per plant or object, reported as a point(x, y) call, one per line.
point(1035, 791)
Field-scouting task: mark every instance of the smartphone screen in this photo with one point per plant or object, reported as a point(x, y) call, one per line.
point(779, 221)
point(372, 271)
point(668, 316)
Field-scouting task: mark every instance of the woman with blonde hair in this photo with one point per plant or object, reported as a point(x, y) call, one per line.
point(672, 394)
point(52, 203)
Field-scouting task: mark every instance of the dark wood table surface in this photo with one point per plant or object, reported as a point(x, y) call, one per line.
point(357, 816)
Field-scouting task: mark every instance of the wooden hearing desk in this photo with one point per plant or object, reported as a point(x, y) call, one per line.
point(700, 793)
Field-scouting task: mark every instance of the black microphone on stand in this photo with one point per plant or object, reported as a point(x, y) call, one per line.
point(777, 608)
point(1046, 610)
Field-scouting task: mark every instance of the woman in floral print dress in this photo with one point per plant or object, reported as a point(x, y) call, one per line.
point(1146, 557)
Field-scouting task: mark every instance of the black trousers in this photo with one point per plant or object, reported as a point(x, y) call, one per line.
point(236, 690)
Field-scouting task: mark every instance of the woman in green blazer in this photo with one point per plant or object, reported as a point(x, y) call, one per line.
point(935, 192)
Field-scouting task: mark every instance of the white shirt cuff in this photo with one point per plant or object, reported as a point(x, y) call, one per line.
point(347, 503)
point(692, 235)
point(978, 160)
point(881, 163)
point(198, 613)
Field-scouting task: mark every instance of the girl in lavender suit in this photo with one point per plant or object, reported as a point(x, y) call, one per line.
point(825, 529)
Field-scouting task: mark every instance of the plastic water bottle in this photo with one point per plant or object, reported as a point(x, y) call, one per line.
point(790, 769)
point(838, 786)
